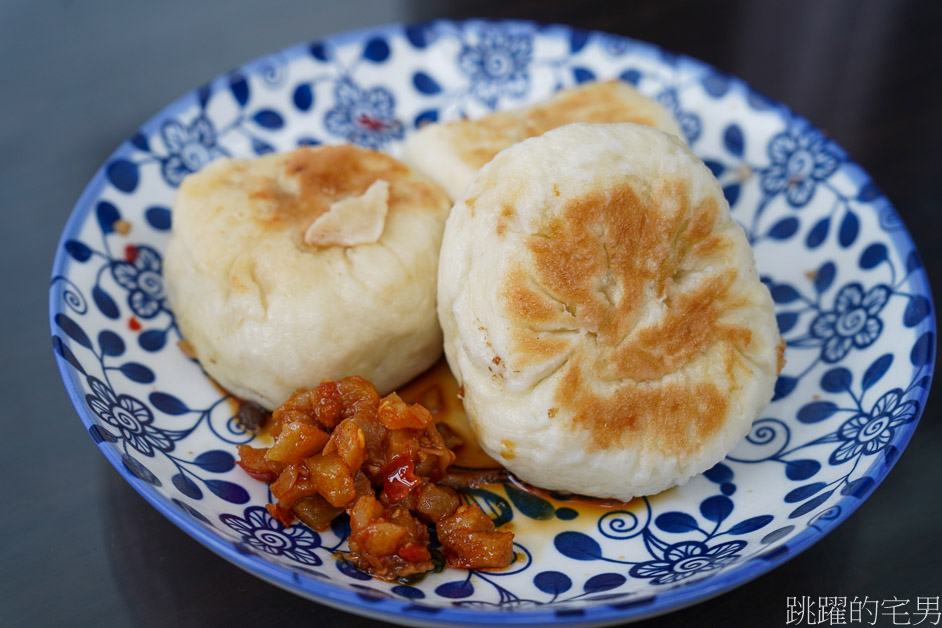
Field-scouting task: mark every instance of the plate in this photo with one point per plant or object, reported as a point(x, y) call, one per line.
point(851, 295)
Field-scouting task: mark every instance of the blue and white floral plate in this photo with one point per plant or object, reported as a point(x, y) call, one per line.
point(851, 295)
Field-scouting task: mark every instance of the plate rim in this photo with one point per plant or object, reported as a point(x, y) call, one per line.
point(414, 612)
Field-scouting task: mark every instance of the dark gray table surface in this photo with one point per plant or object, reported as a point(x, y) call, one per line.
point(79, 547)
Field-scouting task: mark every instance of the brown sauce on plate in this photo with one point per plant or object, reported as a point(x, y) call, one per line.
point(437, 390)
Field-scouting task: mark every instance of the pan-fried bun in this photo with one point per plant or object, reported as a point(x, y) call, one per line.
point(316, 264)
point(602, 312)
point(450, 153)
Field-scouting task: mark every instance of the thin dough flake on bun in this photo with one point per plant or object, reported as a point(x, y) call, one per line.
point(316, 264)
point(602, 312)
point(451, 152)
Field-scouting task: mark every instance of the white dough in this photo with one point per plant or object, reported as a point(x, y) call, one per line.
point(602, 312)
point(451, 152)
point(275, 293)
